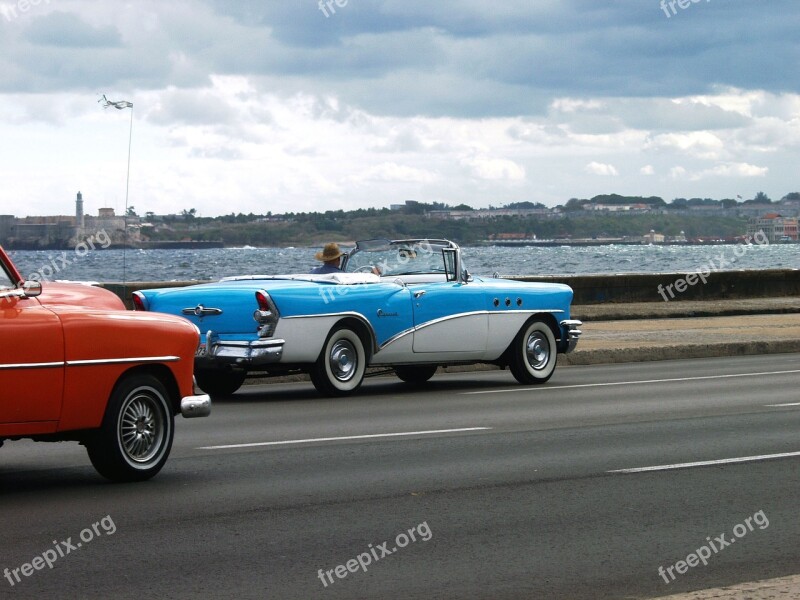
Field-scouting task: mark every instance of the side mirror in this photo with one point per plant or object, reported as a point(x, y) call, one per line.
point(31, 289)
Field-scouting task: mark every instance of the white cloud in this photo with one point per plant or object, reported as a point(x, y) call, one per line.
point(733, 170)
point(393, 172)
point(495, 169)
point(677, 172)
point(699, 144)
point(596, 168)
point(241, 146)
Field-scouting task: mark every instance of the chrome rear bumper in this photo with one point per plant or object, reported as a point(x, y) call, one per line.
point(217, 352)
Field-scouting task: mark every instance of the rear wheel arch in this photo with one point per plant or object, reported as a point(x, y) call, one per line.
point(363, 330)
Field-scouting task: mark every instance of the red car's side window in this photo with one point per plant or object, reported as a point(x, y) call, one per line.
point(5, 280)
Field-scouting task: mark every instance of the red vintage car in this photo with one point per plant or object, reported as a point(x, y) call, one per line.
point(76, 366)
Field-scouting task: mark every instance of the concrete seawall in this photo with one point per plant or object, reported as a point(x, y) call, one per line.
point(624, 288)
point(719, 285)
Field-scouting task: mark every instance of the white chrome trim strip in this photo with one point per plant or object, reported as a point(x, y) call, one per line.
point(322, 315)
point(108, 361)
point(396, 337)
point(50, 365)
point(451, 317)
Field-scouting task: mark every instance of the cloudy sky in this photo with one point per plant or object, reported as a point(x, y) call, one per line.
point(292, 105)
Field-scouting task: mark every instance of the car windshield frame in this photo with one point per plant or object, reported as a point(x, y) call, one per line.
point(399, 257)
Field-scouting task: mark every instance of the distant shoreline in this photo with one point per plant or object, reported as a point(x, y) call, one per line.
point(607, 242)
point(207, 245)
point(166, 245)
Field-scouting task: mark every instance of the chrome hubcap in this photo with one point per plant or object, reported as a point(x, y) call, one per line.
point(343, 360)
point(537, 350)
point(141, 428)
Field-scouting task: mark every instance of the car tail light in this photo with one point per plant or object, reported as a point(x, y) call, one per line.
point(263, 301)
point(139, 301)
point(266, 315)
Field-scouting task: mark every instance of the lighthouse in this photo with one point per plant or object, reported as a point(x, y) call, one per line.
point(79, 215)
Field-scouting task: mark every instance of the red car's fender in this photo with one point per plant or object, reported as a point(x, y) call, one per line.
point(101, 346)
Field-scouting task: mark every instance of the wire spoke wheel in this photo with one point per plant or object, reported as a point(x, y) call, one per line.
point(141, 428)
point(135, 438)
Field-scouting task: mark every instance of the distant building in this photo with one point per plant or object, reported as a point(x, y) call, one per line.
point(754, 210)
point(677, 239)
point(774, 226)
point(653, 238)
point(6, 226)
point(490, 213)
point(622, 208)
point(42, 231)
point(62, 231)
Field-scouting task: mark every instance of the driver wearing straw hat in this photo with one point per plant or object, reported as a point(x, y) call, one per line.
point(331, 255)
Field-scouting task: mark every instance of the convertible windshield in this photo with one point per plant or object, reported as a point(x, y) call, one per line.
point(397, 258)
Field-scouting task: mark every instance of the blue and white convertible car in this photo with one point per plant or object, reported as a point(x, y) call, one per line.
point(409, 305)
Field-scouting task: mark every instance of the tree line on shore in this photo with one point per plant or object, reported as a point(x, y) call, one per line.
point(426, 219)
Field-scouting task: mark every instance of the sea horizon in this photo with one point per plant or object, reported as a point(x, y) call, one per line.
point(115, 265)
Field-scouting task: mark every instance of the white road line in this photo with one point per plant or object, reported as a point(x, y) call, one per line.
point(706, 463)
point(588, 385)
point(348, 437)
point(781, 405)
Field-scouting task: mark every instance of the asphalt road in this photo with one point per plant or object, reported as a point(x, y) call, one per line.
point(472, 487)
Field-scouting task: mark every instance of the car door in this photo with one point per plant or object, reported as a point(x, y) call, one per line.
point(31, 361)
point(450, 317)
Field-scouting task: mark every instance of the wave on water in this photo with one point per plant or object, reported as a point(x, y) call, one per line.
point(215, 263)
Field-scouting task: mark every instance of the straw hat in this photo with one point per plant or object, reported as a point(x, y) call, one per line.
point(329, 252)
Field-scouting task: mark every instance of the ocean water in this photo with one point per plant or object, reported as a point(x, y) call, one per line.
point(212, 264)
